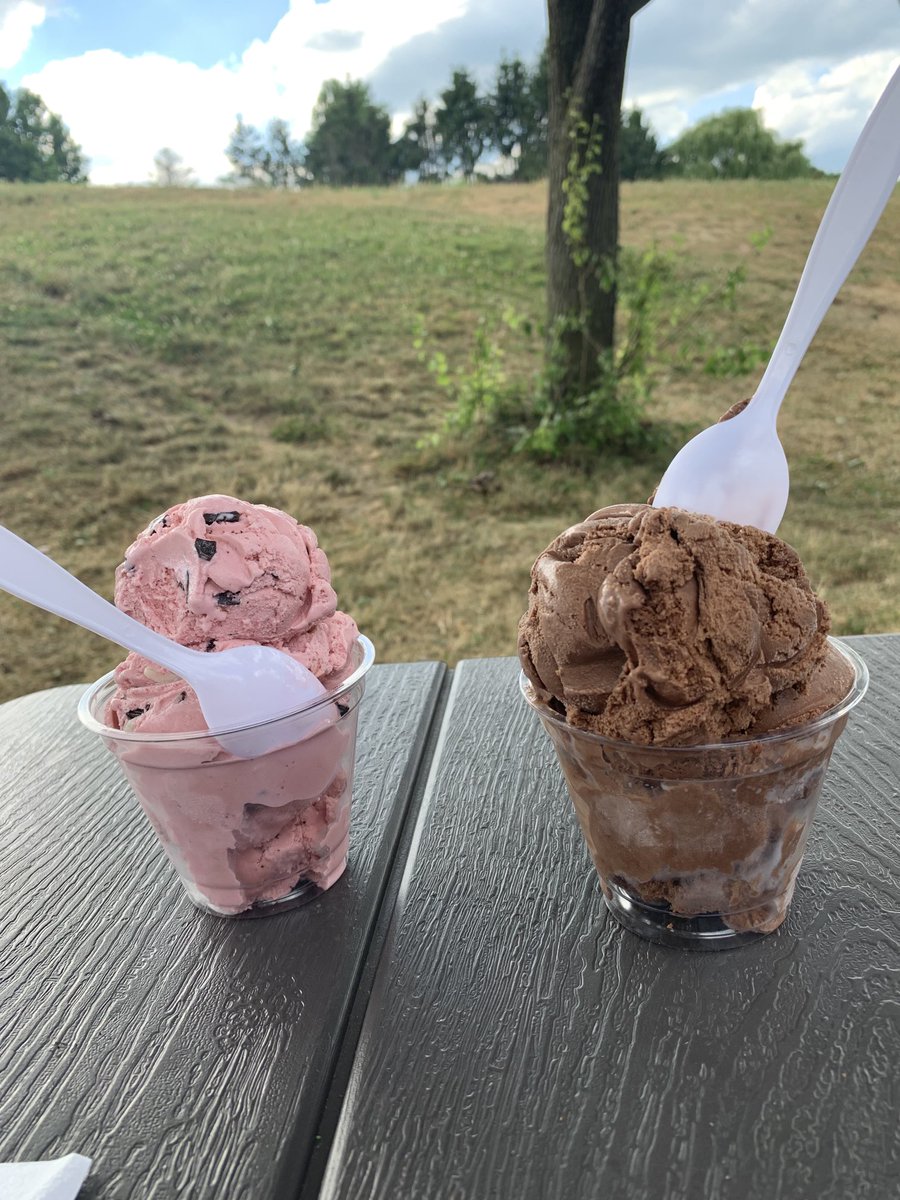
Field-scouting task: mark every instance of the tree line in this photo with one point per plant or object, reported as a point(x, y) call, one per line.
point(500, 133)
point(503, 130)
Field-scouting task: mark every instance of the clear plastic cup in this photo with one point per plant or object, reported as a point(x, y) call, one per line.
point(248, 837)
point(699, 846)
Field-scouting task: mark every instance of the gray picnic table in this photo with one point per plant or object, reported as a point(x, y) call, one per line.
point(458, 1017)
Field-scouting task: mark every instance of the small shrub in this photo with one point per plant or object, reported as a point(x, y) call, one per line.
point(728, 362)
point(662, 316)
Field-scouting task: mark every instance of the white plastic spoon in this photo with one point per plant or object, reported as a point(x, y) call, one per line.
point(237, 688)
point(737, 470)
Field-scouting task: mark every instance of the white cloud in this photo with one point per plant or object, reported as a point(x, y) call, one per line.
point(823, 107)
point(813, 67)
point(666, 112)
point(123, 110)
point(826, 110)
point(18, 22)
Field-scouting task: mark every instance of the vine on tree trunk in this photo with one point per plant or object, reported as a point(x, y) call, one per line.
point(582, 165)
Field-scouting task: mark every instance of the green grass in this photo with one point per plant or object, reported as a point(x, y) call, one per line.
point(157, 344)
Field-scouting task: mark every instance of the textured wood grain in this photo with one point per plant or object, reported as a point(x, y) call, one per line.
point(187, 1055)
point(518, 1043)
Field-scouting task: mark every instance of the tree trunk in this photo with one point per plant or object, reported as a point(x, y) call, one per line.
point(588, 44)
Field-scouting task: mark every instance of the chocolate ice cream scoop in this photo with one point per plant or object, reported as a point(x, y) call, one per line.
point(664, 627)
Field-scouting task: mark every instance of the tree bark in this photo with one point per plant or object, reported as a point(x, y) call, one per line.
point(588, 45)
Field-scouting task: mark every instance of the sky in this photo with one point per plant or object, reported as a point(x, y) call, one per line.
point(130, 78)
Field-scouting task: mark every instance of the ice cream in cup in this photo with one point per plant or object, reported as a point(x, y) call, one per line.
point(682, 669)
point(247, 836)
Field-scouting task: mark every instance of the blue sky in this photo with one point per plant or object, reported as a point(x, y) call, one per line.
point(132, 76)
point(201, 31)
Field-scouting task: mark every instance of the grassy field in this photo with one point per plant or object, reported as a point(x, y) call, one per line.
point(161, 344)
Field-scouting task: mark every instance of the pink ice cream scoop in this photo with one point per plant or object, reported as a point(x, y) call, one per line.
point(216, 567)
point(213, 573)
point(217, 572)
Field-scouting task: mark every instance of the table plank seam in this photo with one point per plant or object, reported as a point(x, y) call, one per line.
point(299, 1181)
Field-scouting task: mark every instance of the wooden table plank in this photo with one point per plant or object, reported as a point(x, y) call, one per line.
point(186, 1054)
point(519, 1044)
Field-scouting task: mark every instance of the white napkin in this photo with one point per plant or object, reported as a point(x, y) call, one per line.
point(57, 1179)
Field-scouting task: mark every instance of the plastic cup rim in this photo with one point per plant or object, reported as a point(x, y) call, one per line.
point(855, 693)
point(88, 719)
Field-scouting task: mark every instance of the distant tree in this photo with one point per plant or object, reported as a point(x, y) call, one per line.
point(640, 156)
point(273, 160)
point(508, 107)
point(517, 116)
point(462, 124)
point(736, 145)
point(418, 148)
point(170, 170)
point(35, 145)
point(532, 162)
point(284, 160)
point(245, 152)
point(350, 142)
